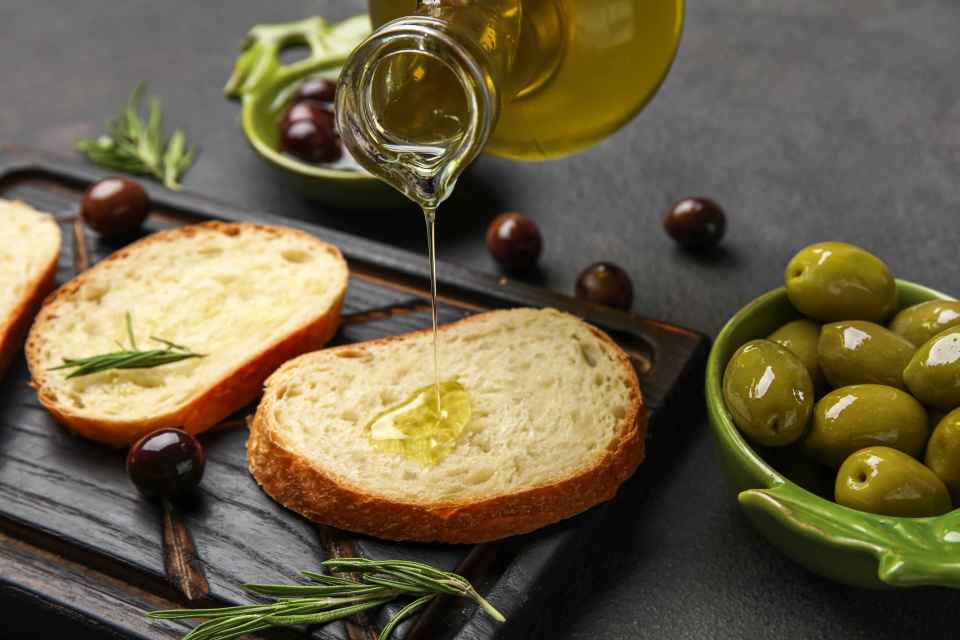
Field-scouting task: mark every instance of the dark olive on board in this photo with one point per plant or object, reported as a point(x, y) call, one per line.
point(115, 207)
point(607, 284)
point(167, 463)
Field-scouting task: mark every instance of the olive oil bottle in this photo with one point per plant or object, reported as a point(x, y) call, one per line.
point(568, 72)
point(439, 81)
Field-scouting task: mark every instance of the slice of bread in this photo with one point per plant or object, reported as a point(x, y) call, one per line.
point(28, 265)
point(248, 296)
point(557, 425)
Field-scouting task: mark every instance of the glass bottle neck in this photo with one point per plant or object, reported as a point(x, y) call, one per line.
point(419, 98)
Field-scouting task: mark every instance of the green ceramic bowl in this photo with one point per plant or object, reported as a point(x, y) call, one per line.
point(843, 544)
point(263, 84)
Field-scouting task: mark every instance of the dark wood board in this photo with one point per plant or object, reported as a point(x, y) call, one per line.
point(71, 515)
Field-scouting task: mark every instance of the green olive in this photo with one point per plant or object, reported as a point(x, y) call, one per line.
point(832, 281)
point(943, 453)
point(889, 482)
point(933, 375)
point(922, 321)
point(800, 338)
point(769, 393)
point(864, 415)
point(857, 352)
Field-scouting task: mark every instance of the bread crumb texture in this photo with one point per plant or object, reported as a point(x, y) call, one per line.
point(549, 396)
point(31, 241)
point(227, 291)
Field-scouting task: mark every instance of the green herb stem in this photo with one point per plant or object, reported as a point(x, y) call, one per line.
point(132, 358)
point(403, 614)
point(332, 598)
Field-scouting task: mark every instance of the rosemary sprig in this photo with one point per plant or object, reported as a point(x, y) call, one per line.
point(328, 598)
point(135, 145)
point(132, 358)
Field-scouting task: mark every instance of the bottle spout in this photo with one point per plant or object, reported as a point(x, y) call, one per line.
point(415, 105)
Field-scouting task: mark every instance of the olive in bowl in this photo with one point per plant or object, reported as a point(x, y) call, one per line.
point(768, 392)
point(831, 281)
point(801, 338)
point(318, 89)
point(265, 95)
point(859, 352)
point(313, 139)
point(886, 481)
point(922, 321)
point(864, 415)
point(933, 374)
point(841, 543)
point(943, 453)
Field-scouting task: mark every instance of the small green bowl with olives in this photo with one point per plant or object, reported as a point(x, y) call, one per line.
point(266, 87)
point(789, 470)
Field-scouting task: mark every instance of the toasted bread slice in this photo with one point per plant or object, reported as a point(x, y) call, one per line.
point(557, 425)
point(28, 265)
point(247, 296)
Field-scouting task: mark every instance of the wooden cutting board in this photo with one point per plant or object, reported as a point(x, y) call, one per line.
point(76, 537)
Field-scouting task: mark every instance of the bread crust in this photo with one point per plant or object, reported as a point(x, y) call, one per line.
point(222, 397)
point(299, 485)
point(14, 330)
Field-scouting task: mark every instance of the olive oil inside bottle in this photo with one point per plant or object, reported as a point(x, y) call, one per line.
point(418, 99)
point(420, 428)
point(571, 71)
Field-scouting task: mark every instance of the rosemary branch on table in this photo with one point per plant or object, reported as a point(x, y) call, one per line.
point(327, 597)
point(132, 358)
point(134, 144)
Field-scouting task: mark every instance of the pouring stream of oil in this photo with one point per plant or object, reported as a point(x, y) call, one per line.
point(430, 217)
point(425, 426)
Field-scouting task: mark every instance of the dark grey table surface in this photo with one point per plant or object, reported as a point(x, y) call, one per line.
point(807, 120)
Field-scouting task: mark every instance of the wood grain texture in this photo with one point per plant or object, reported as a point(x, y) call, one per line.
point(27, 573)
point(73, 496)
point(180, 559)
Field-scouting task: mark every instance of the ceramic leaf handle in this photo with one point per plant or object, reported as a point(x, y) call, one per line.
point(259, 63)
point(909, 551)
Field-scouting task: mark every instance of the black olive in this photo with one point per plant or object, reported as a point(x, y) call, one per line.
point(166, 464)
point(313, 140)
point(606, 284)
point(696, 223)
point(320, 89)
point(305, 110)
point(115, 207)
point(514, 241)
